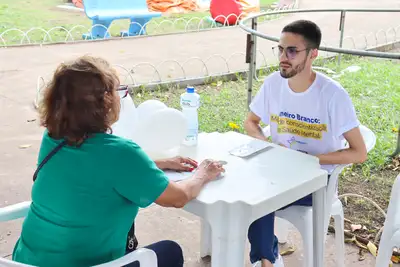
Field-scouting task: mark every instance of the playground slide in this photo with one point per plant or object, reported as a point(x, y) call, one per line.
point(165, 6)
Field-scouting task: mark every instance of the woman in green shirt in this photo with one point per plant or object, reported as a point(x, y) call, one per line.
point(90, 183)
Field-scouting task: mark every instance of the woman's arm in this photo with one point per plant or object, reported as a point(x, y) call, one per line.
point(179, 194)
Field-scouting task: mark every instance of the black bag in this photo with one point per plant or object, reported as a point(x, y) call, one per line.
point(131, 243)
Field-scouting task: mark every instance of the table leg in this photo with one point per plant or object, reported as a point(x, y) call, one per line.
point(205, 246)
point(319, 206)
point(228, 239)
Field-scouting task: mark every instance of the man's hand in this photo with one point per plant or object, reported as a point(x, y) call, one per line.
point(252, 126)
point(177, 164)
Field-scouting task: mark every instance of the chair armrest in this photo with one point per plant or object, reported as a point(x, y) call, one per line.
point(15, 211)
point(9, 263)
point(146, 257)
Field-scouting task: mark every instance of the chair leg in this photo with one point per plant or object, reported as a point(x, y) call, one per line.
point(303, 222)
point(205, 243)
point(384, 255)
point(281, 230)
point(307, 235)
point(339, 238)
point(386, 246)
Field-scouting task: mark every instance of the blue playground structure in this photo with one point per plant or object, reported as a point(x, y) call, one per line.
point(104, 12)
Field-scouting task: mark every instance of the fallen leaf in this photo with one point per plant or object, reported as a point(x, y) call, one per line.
point(395, 259)
point(372, 248)
point(288, 251)
point(345, 201)
point(361, 245)
point(350, 240)
point(25, 146)
point(355, 227)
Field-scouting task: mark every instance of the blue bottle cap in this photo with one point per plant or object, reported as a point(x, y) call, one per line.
point(190, 89)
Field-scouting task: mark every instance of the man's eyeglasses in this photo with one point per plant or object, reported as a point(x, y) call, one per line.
point(290, 51)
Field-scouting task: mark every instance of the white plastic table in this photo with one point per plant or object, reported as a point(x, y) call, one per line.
point(250, 189)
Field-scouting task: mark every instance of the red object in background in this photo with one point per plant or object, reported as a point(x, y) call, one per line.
point(78, 3)
point(225, 11)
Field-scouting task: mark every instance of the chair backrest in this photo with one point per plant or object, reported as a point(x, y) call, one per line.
point(369, 137)
point(15, 211)
point(370, 141)
point(92, 6)
point(9, 263)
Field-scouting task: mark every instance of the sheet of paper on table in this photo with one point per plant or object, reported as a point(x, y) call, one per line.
point(178, 176)
point(251, 148)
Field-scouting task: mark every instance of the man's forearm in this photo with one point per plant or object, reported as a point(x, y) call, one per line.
point(254, 130)
point(345, 156)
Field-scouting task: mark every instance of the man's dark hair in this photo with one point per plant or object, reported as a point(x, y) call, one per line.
point(308, 29)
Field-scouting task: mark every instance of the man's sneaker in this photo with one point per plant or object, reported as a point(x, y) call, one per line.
point(278, 263)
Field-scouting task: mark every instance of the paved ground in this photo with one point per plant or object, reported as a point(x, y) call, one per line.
point(20, 67)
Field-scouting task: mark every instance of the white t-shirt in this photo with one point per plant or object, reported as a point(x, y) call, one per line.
point(313, 121)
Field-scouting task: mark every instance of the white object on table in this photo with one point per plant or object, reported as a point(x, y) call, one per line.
point(252, 187)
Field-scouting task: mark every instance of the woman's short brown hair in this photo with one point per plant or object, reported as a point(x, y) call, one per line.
point(80, 100)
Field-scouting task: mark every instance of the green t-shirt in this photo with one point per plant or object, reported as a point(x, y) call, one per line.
point(85, 200)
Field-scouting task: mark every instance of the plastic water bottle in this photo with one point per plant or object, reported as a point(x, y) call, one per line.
point(190, 103)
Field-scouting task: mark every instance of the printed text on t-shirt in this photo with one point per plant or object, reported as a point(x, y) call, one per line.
point(299, 125)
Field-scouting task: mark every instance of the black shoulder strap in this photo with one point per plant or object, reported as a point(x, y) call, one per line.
point(48, 157)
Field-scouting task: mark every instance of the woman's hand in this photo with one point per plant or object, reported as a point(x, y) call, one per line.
point(177, 164)
point(209, 170)
point(179, 194)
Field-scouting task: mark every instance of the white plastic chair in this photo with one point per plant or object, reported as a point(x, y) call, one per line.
point(301, 217)
point(145, 257)
point(390, 238)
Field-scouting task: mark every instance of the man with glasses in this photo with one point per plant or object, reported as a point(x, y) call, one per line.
point(307, 111)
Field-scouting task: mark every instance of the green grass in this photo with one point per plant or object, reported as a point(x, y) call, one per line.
point(375, 91)
point(28, 14)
